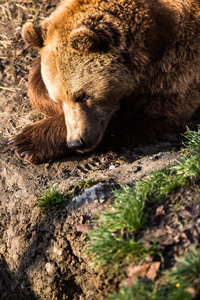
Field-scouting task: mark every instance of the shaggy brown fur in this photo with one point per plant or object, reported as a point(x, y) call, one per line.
point(38, 93)
point(116, 73)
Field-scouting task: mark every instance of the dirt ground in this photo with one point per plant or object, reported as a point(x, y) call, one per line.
point(41, 255)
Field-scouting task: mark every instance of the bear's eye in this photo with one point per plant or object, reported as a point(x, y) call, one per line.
point(80, 98)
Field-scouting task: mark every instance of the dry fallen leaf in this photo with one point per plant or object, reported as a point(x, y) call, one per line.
point(196, 282)
point(153, 269)
point(160, 211)
point(184, 236)
point(148, 259)
point(192, 291)
point(166, 241)
point(169, 229)
point(84, 228)
point(185, 214)
point(130, 281)
point(148, 271)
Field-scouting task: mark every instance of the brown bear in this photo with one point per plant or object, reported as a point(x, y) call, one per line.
point(112, 73)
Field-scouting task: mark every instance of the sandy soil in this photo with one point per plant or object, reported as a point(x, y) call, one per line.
point(41, 255)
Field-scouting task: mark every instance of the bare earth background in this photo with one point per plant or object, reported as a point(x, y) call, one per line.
point(41, 255)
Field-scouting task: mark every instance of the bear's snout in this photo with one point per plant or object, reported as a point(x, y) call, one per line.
point(85, 142)
point(85, 126)
point(76, 144)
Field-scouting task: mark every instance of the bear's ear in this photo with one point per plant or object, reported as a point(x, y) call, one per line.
point(33, 35)
point(104, 37)
point(83, 40)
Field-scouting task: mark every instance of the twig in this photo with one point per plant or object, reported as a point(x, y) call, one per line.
point(9, 89)
point(14, 129)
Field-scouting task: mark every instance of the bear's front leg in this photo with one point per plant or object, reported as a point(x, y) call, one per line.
point(42, 141)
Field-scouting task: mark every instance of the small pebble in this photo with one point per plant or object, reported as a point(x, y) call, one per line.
point(137, 169)
point(1, 76)
point(112, 167)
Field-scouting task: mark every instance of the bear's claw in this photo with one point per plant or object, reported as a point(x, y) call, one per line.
point(14, 148)
point(23, 154)
point(10, 142)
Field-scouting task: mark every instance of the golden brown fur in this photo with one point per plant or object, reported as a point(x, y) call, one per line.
point(117, 73)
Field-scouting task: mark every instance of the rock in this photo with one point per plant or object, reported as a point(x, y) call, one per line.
point(93, 193)
point(150, 149)
point(51, 268)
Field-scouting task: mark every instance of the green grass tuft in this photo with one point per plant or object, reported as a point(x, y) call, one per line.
point(149, 291)
point(86, 183)
point(128, 211)
point(188, 268)
point(112, 250)
point(50, 198)
point(190, 163)
point(114, 243)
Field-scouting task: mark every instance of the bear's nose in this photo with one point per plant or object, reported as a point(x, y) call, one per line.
point(76, 144)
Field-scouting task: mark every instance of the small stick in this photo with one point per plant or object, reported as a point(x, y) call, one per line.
point(9, 89)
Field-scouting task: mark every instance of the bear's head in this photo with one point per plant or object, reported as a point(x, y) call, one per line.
point(83, 68)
